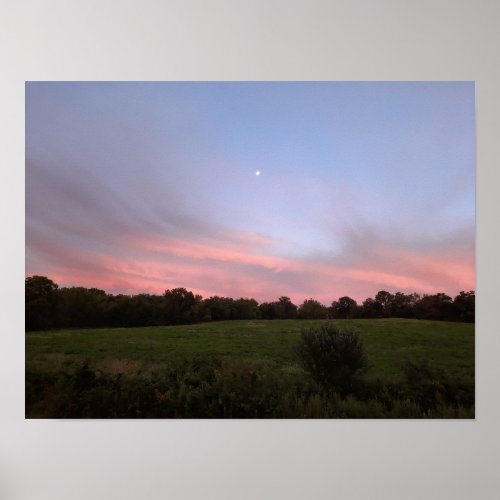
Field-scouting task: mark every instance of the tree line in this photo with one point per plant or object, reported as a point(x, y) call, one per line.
point(49, 306)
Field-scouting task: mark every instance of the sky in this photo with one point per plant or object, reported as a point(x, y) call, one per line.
point(252, 189)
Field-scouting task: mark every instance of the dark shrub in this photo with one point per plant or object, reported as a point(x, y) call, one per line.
point(332, 355)
point(430, 386)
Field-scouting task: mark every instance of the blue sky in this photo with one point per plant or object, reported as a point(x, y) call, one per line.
point(145, 186)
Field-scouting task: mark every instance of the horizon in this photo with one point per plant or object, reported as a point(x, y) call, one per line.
point(252, 189)
point(275, 299)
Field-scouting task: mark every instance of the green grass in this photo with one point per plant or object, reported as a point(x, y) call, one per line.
point(388, 342)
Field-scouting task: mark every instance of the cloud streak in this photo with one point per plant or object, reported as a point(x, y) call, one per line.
point(120, 198)
point(234, 267)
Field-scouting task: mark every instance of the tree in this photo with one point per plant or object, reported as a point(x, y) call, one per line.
point(285, 308)
point(371, 309)
point(244, 309)
point(177, 304)
point(219, 307)
point(384, 300)
point(312, 309)
point(200, 311)
point(403, 304)
point(81, 307)
point(464, 306)
point(435, 307)
point(41, 303)
point(345, 307)
point(267, 310)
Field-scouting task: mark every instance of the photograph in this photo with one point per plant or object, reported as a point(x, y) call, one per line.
point(250, 249)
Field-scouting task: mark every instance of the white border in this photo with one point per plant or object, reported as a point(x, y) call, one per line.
point(248, 40)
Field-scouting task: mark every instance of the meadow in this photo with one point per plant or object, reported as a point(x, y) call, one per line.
point(247, 369)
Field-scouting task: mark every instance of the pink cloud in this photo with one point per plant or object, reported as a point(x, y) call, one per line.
point(241, 266)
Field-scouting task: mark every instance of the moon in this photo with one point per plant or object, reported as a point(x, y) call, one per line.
point(257, 173)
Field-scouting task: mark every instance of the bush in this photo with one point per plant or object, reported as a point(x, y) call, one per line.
point(430, 386)
point(214, 388)
point(332, 355)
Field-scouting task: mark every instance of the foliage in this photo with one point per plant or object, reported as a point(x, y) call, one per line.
point(211, 388)
point(283, 308)
point(48, 306)
point(344, 308)
point(247, 369)
point(312, 309)
point(429, 386)
point(435, 307)
point(332, 355)
point(41, 303)
point(384, 301)
point(464, 306)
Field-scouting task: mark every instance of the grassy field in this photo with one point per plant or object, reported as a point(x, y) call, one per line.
point(388, 342)
point(264, 345)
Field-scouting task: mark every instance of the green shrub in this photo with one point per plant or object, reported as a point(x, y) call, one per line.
point(432, 387)
point(332, 356)
point(208, 387)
